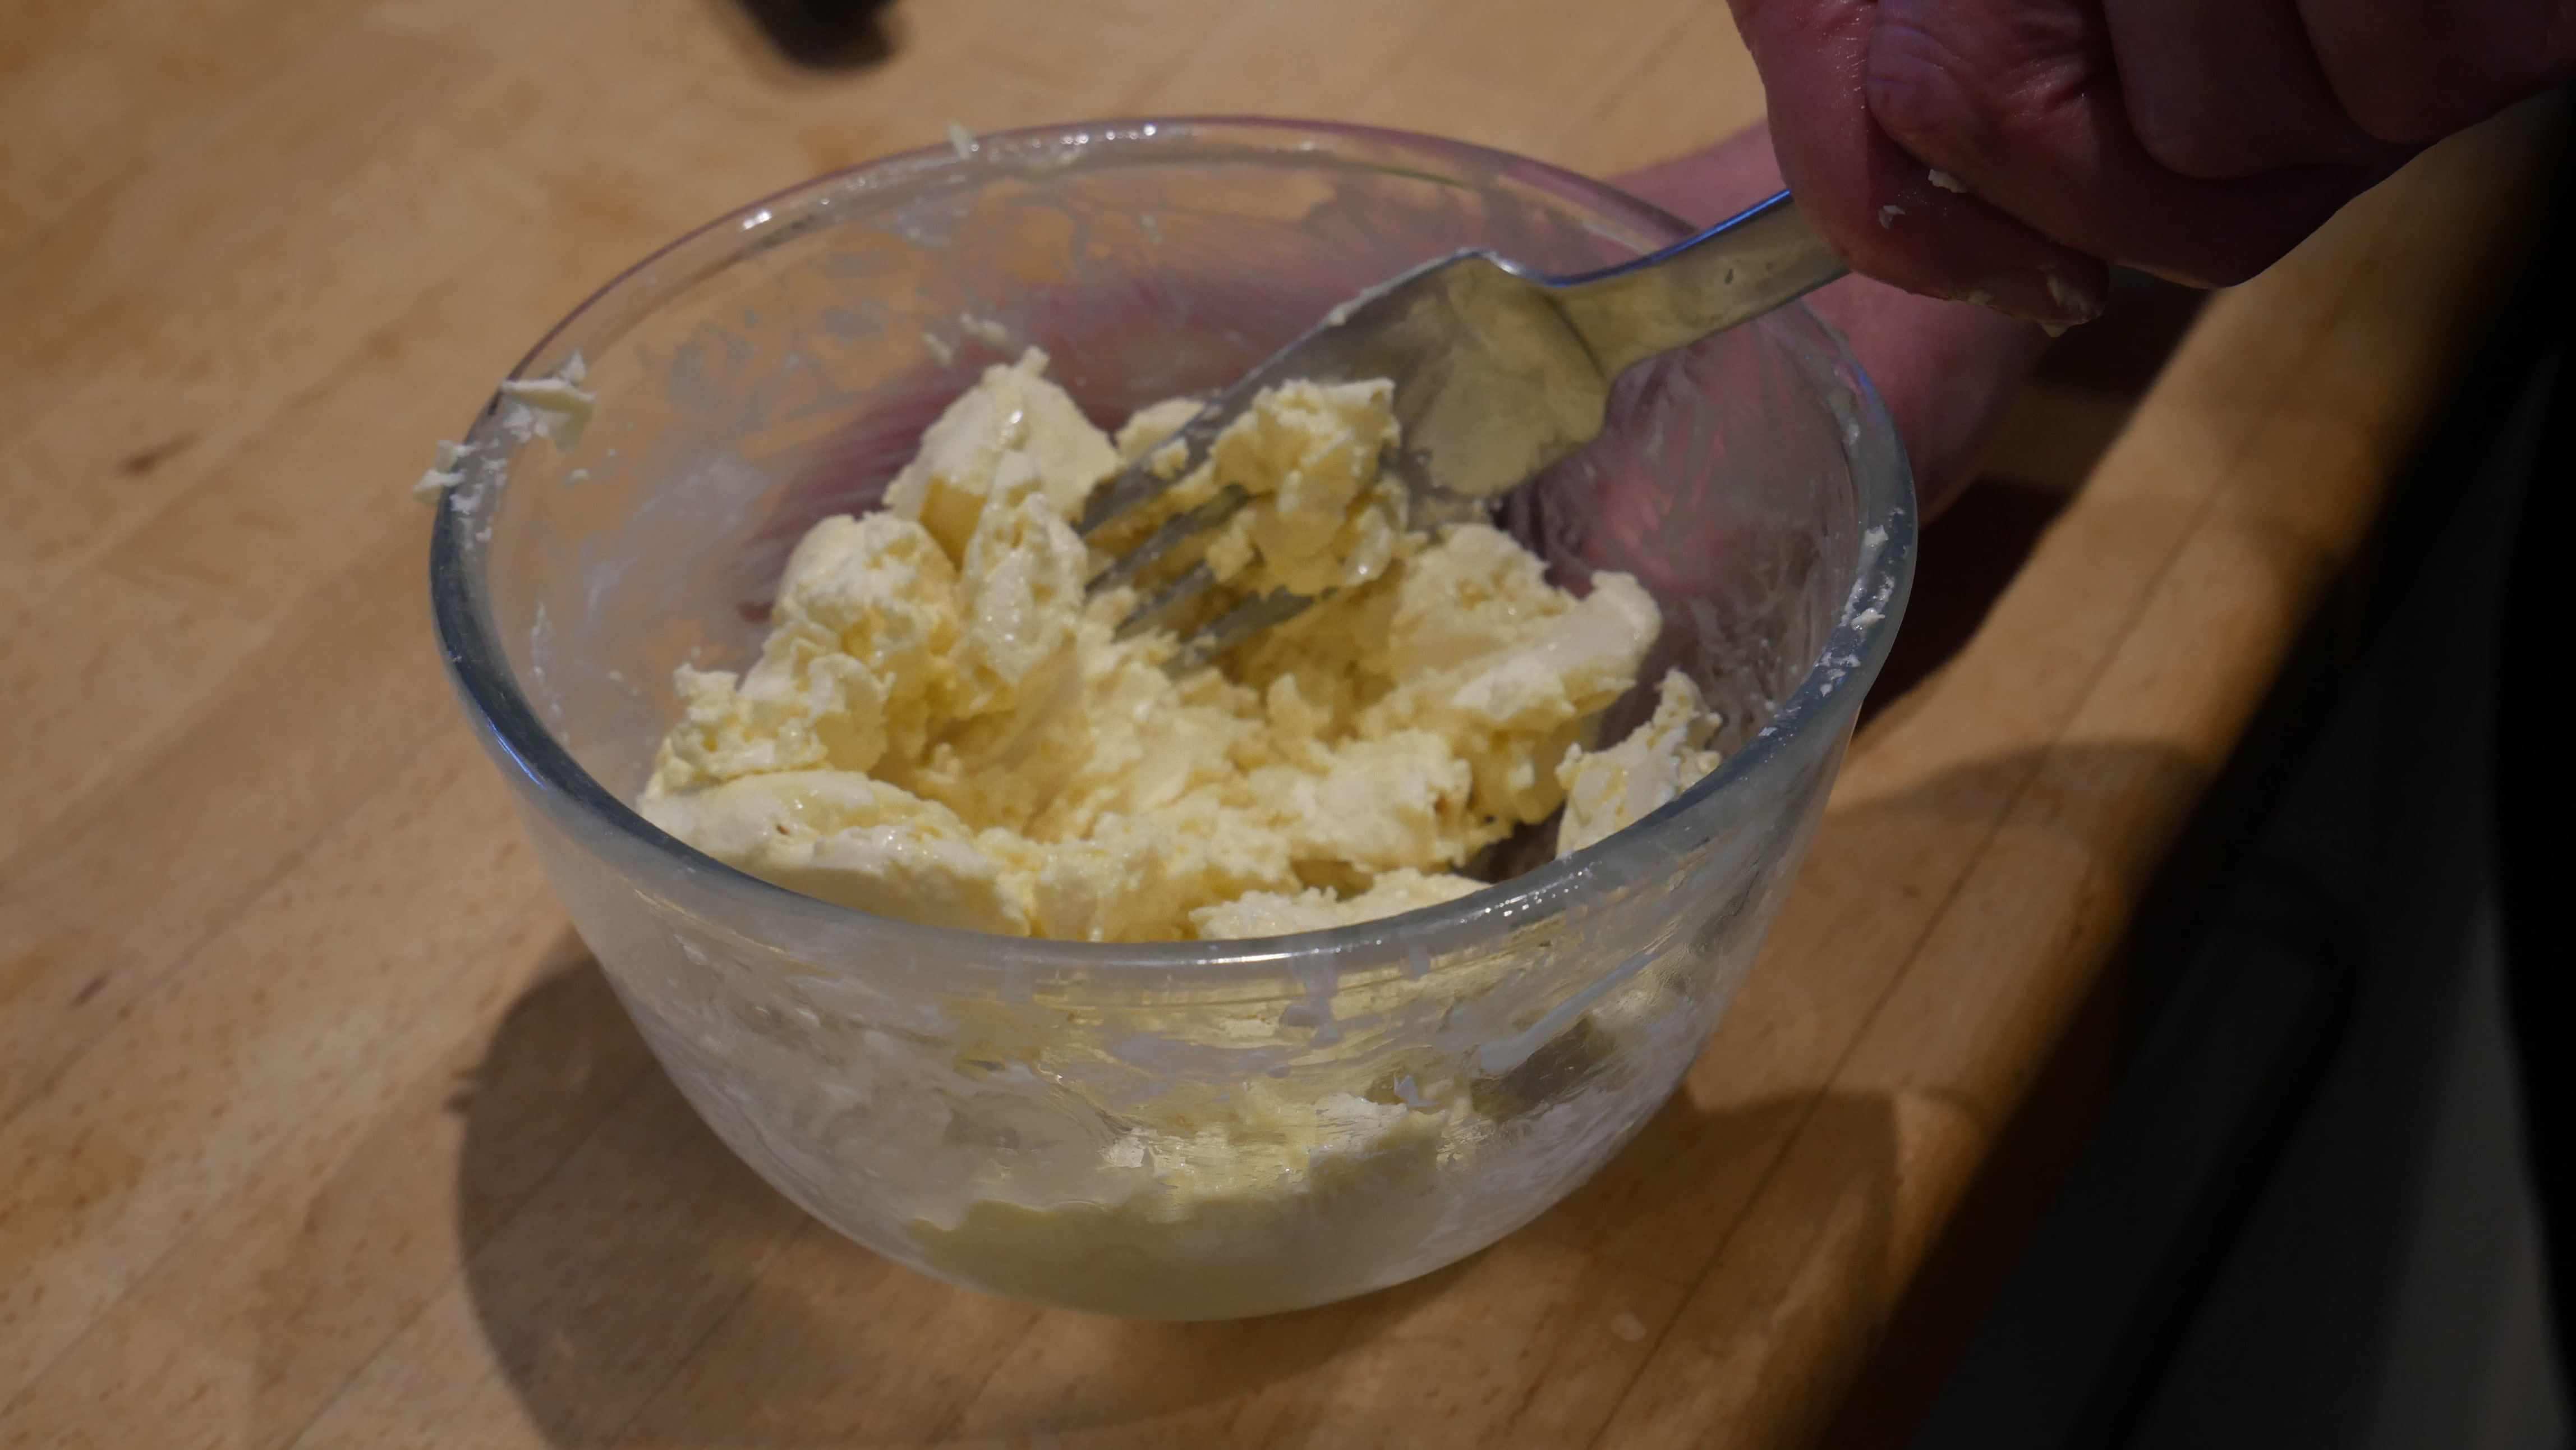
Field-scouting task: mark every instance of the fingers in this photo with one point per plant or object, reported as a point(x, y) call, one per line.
point(2230, 88)
point(1879, 208)
point(2414, 71)
point(2019, 100)
point(1993, 149)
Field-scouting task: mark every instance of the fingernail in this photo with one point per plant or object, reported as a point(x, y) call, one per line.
point(2016, 293)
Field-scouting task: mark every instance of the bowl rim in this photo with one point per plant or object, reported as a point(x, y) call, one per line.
point(488, 686)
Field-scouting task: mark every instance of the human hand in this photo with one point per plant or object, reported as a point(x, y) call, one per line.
point(2004, 150)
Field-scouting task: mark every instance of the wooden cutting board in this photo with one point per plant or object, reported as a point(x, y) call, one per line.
point(318, 1126)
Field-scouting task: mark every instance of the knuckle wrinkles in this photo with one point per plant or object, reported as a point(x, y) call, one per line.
point(1918, 90)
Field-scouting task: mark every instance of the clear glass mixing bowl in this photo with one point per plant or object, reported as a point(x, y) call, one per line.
point(1192, 1130)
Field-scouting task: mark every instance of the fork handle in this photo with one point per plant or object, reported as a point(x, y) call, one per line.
point(1733, 272)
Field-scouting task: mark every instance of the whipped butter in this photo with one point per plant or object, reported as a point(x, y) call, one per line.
point(941, 727)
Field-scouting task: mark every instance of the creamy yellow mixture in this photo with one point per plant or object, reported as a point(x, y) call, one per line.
point(942, 728)
point(1229, 1197)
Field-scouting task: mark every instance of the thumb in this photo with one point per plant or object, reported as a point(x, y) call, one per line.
point(1882, 211)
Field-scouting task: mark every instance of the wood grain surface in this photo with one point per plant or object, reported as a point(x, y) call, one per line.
point(319, 1127)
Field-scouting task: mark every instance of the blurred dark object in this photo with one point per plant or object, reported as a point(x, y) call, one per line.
point(2302, 1220)
point(2145, 1221)
point(823, 34)
point(2534, 792)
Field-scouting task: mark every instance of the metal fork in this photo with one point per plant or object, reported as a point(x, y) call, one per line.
point(1499, 371)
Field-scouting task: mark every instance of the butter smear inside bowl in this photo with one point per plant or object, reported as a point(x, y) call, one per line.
point(942, 728)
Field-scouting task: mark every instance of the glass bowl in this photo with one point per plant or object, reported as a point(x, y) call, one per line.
point(1183, 1130)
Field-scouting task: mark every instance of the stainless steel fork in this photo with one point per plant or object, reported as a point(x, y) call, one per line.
point(1499, 371)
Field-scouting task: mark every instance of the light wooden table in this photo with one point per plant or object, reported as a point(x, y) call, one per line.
point(318, 1128)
